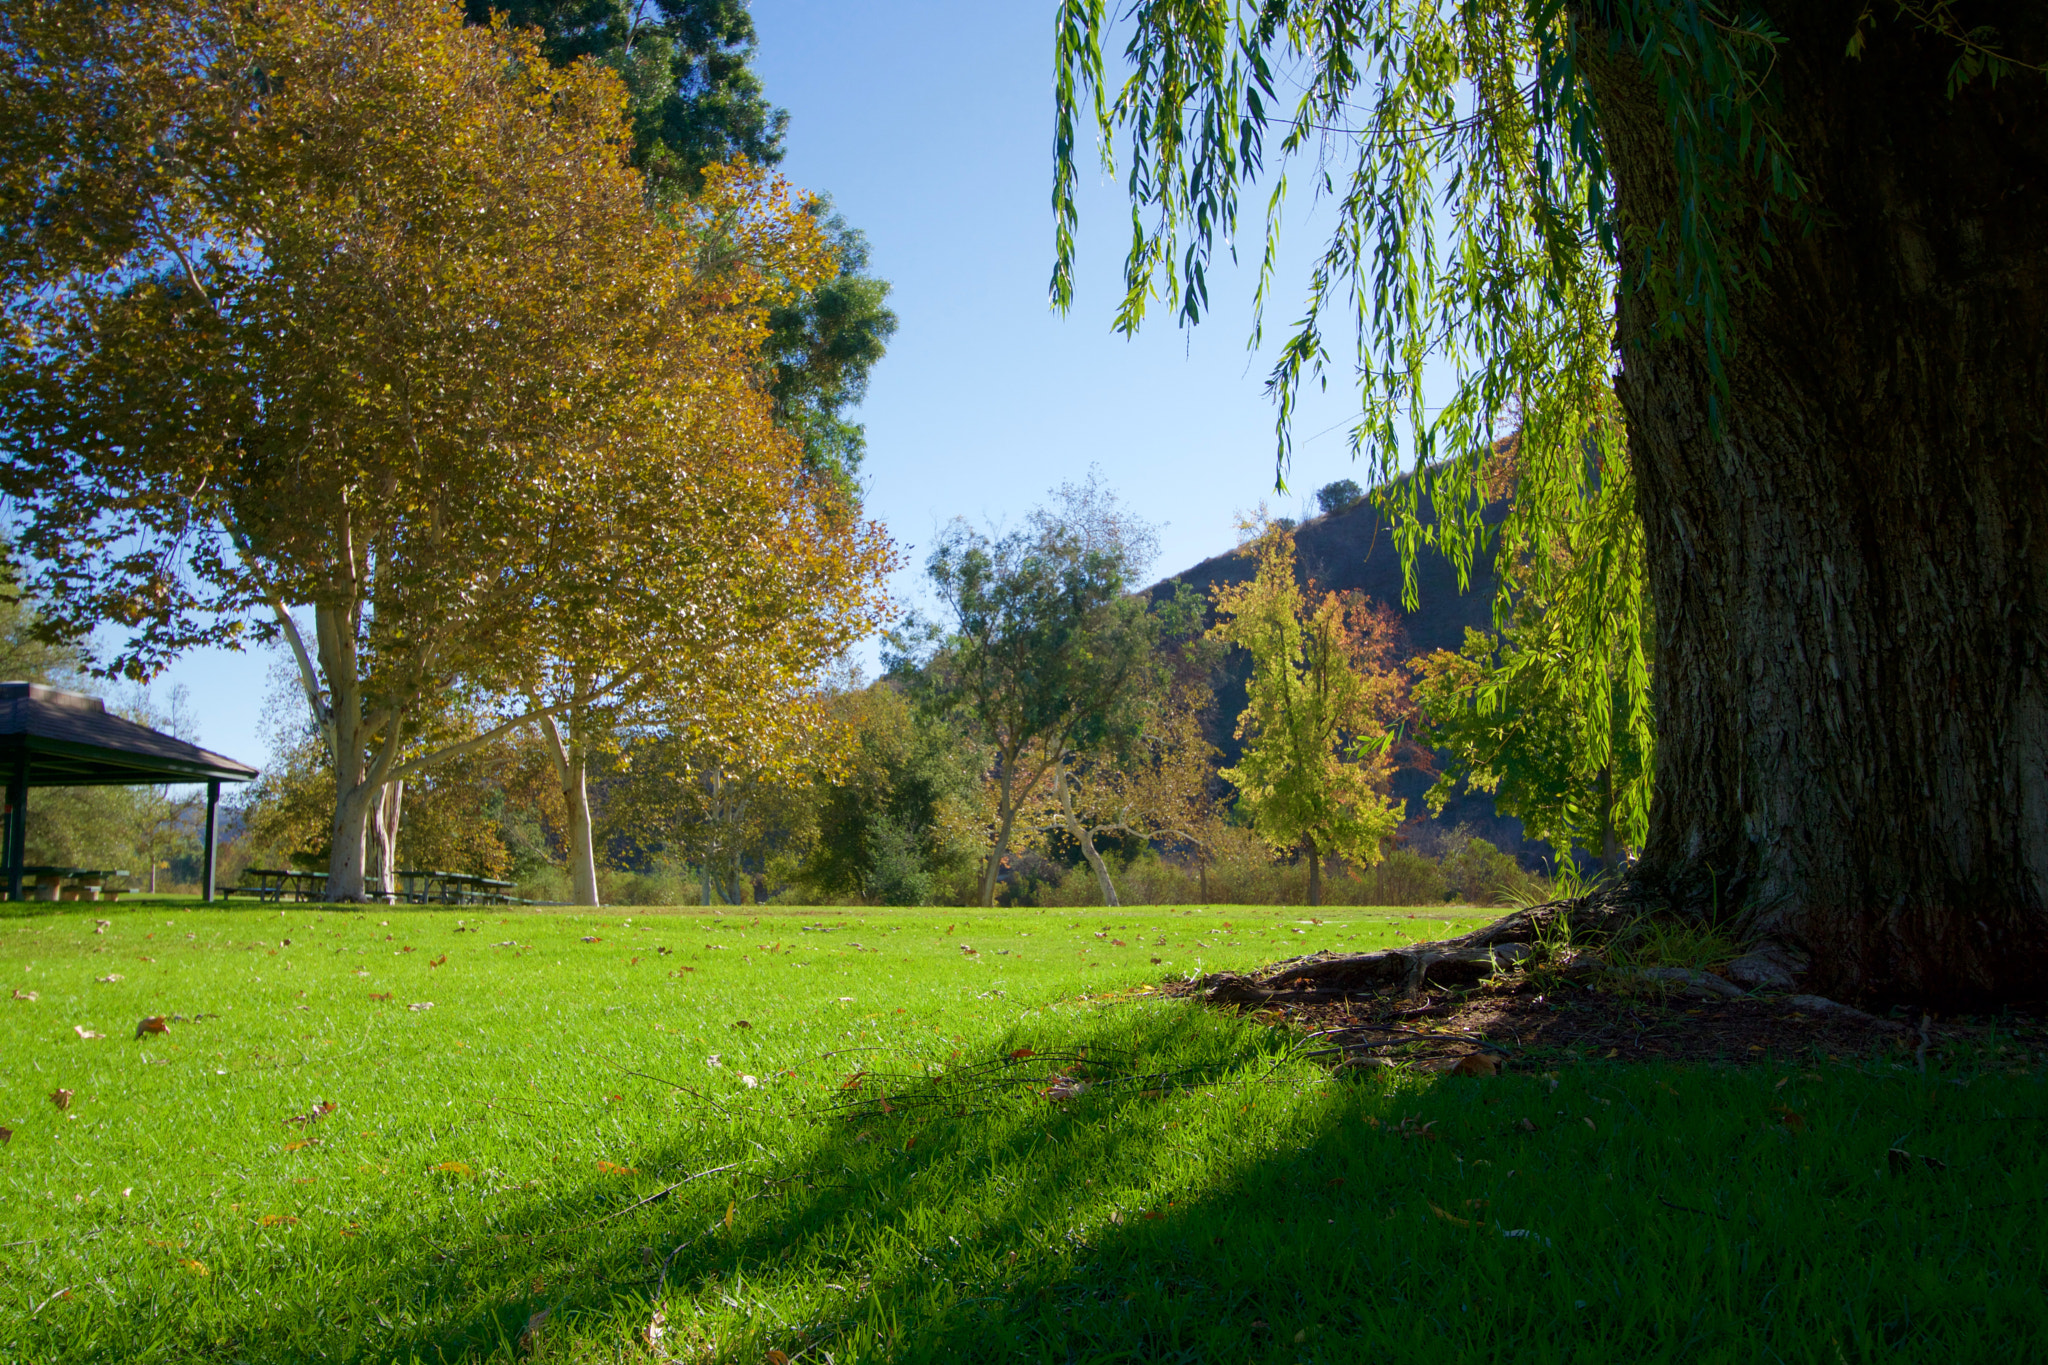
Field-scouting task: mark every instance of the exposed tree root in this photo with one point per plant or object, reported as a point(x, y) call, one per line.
point(1509, 940)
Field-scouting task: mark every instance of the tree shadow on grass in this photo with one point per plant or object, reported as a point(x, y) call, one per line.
point(1163, 1183)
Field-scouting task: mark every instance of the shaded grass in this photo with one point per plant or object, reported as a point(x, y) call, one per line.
point(899, 1187)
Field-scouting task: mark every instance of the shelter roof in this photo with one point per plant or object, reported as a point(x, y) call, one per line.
point(71, 740)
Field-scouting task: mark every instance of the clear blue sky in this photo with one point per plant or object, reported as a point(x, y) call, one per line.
point(930, 125)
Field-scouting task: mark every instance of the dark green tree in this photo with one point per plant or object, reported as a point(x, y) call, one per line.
point(1335, 497)
point(696, 100)
point(1048, 655)
point(1769, 281)
point(902, 821)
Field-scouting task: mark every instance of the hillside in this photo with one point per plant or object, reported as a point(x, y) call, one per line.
point(1353, 549)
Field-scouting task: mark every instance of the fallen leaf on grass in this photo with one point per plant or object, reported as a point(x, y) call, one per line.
point(6, 1136)
point(1020, 1052)
point(154, 1024)
point(1476, 1064)
point(613, 1168)
point(276, 1220)
point(455, 1168)
point(421, 1005)
point(84, 1032)
point(777, 1358)
point(195, 1267)
point(109, 979)
point(375, 996)
point(315, 1114)
point(1791, 1118)
point(61, 1098)
point(531, 1331)
point(853, 1082)
point(1526, 1126)
point(741, 1023)
point(1453, 1218)
point(730, 1209)
point(657, 1328)
point(29, 996)
point(297, 1143)
point(437, 961)
point(591, 938)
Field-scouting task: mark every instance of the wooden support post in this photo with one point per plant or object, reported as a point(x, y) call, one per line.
point(212, 838)
point(16, 833)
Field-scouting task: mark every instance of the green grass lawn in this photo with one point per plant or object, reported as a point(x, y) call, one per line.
point(888, 1179)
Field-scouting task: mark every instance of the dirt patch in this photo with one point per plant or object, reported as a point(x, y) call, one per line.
point(1530, 1024)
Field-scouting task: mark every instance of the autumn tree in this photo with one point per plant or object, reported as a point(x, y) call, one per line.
point(411, 282)
point(696, 102)
point(1047, 653)
point(690, 573)
point(1807, 246)
point(1315, 726)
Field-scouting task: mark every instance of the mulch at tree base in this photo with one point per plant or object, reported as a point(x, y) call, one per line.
point(1526, 1027)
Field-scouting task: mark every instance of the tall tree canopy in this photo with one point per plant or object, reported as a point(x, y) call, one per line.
point(1048, 653)
point(695, 101)
point(1767, 284)
point(354, 321)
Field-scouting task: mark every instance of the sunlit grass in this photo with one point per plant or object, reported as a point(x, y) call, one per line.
point(895, 1183)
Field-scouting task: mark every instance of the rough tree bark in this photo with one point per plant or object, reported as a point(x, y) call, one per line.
point(1850, 575)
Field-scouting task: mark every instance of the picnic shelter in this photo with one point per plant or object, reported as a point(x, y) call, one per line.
point(53, 738)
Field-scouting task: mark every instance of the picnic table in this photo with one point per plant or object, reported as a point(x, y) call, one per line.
point(91, 883)
point(452, 888)
point(280, 883)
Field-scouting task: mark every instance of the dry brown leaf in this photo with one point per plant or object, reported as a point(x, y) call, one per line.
point(315, 1114)
point(299, 1143)
point(61, 1098)
point(730, 1209)
point(455, 1168)
point(276, 1220)
point(84, 1032)
point(529, 1334)
point(25, 995)
point(385, 996)
point(6, 1136)
point(777, 1358)
point(195, 1267)
point(613, 1168)
point(1020, 1053)
point(1791, 1119)
point(437, 961)
point(657, 1329)
point(421, 1006)
point(1453, 1218)
point(1476, 1064)
point(1526, 1126)
point(155, 1023)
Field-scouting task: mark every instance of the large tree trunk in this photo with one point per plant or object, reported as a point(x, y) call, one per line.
point(572, 764)
point(1850, 576)
point(1006, 819)
point(1079, 831)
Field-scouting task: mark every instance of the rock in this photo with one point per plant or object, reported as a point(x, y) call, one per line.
point(1686, 981)
point(1820, 1004)
point(1769, 968)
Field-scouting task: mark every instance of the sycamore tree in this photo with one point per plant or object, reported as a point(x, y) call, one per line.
point(1771, 274)
point(1049, 653)
point(312, 311)
point(693, 573)
point(695, 102)
point(1315, 726)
